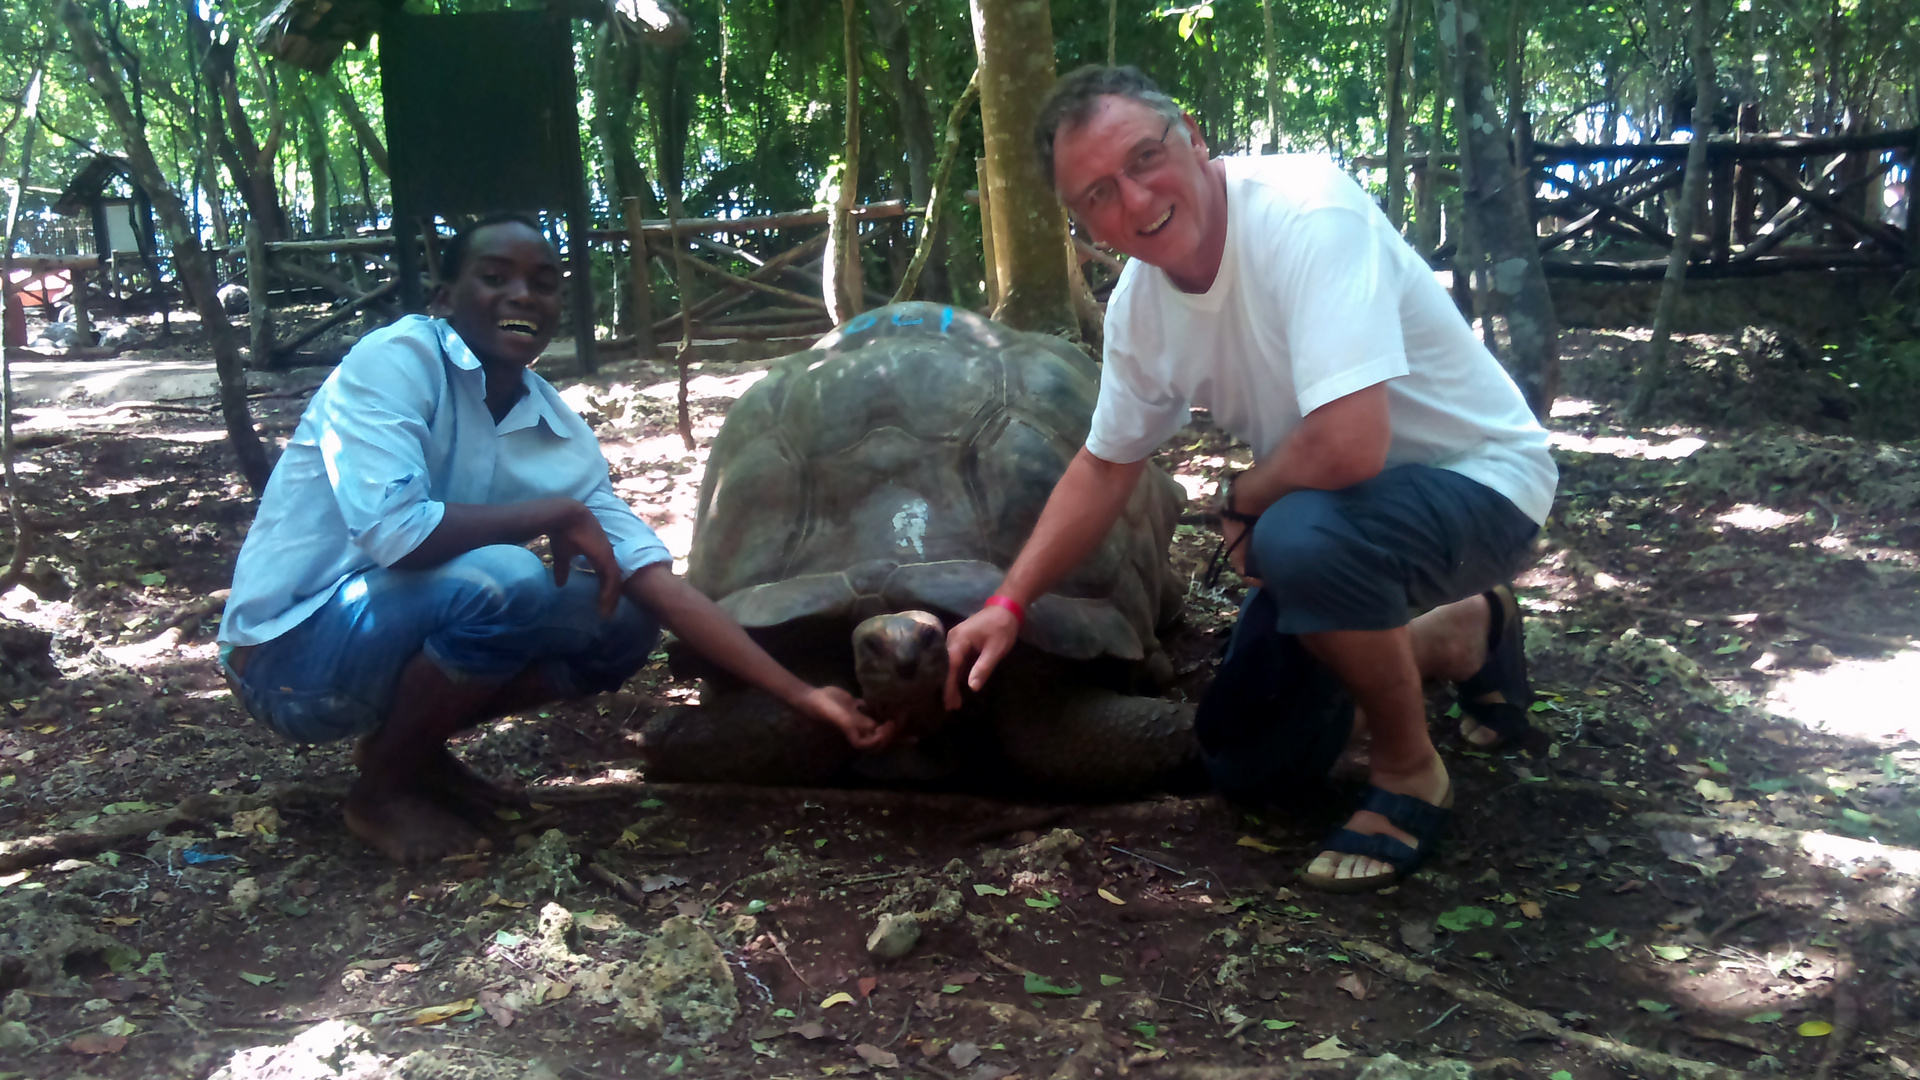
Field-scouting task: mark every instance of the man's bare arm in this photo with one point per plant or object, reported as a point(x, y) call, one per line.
point(1337, 445)
point(700, 623)
point(1085, 502)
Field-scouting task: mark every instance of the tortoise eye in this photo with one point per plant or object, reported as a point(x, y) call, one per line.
point(928, 635)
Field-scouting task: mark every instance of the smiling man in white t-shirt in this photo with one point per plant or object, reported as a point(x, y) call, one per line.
point(1398, 472)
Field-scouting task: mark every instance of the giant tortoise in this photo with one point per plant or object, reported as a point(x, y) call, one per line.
point(871, 491)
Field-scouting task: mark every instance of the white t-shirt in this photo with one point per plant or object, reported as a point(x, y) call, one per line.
point(1317, 297)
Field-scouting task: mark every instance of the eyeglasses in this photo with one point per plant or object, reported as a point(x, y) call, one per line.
point(1104, 195)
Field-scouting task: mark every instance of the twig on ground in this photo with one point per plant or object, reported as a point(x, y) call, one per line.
point(627, 890)
point(1441, 1019)
point(1004, 964)
point(781, 947)
point(1633, 1057)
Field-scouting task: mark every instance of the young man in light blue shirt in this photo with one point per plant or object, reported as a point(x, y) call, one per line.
point(384, 592)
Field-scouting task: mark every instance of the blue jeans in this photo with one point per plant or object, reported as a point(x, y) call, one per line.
point(1368, 557)
point(489, 613)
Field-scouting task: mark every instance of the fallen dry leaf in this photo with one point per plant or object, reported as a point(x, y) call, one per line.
point(867, 984)
point(1530, 909)
point(1109, 897)
point(1257, 845)
point(656, 882)
point(95, 1043)
point(1351, 984)
point(876, 1057)
point(963, 1054)
point(841, 998)
point(434, 1014)
point(1330, 1050)
point(809, 1030)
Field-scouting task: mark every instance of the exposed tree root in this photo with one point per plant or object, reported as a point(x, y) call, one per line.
point(1639, 1059)
point(48, 847)
point(1821, 847)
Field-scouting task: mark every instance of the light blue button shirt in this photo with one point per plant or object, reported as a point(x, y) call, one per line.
point(400, 429)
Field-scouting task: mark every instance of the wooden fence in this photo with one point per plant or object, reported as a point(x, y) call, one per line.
point(1774, 204)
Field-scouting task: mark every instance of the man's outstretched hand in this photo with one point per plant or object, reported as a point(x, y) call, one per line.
point(989, 635)
point(835, 706)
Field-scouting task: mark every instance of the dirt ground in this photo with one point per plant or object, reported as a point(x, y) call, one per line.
point(1711, 871)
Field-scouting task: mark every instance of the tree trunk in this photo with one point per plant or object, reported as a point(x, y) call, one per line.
point(1654, 371)
point(321, 222)
point(1497, 205)
point(916, 126)
point(23, 533)
point(250, 164)
point(1273, 80)
point(616, 72)
point(937, 196)
point(1399, 21)
point(844, 284)
point(1426, 208)
point(357, 120)
point(1014, 40)
point(189, 259)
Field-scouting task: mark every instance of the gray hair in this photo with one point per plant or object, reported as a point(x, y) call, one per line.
point(1071, 102)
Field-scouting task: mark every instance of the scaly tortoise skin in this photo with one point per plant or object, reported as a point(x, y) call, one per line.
point(895, 469)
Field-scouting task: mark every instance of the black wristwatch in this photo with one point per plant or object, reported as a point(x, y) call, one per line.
point(1225, 508)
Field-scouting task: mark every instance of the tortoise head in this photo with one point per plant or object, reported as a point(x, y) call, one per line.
point(901, 661)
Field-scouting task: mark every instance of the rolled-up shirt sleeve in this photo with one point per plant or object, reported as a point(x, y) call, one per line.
point(373, 439)
point(635, 545)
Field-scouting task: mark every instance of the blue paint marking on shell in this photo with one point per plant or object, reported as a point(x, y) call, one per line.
point(946, 319)
point(898, 320)
point(862, 323)
point(194, 856)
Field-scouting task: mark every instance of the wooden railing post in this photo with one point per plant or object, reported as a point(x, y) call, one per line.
point(82, 316)
point(259, 310)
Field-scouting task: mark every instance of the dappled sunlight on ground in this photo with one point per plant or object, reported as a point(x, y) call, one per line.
point(1874, 700)
point(1749, 516)
point(1626, 446)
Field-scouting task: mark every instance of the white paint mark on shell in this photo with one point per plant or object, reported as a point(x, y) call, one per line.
point(910, 527)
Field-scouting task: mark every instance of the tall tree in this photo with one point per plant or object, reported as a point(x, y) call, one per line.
point(841, 277)
point(1496, 197)
point(190, 260)
point(1693, 192)
point(1014, 40)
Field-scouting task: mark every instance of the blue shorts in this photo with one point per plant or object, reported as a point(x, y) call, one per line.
point(1368, 557)
point(489, 613)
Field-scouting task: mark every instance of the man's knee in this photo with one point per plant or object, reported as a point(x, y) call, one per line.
point(1297, 541)
point(501, 583)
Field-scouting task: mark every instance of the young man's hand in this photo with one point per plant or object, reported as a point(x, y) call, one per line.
point(578, 533)
point(835, 706)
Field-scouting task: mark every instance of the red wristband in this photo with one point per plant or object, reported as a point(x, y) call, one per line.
point(1019, 610)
